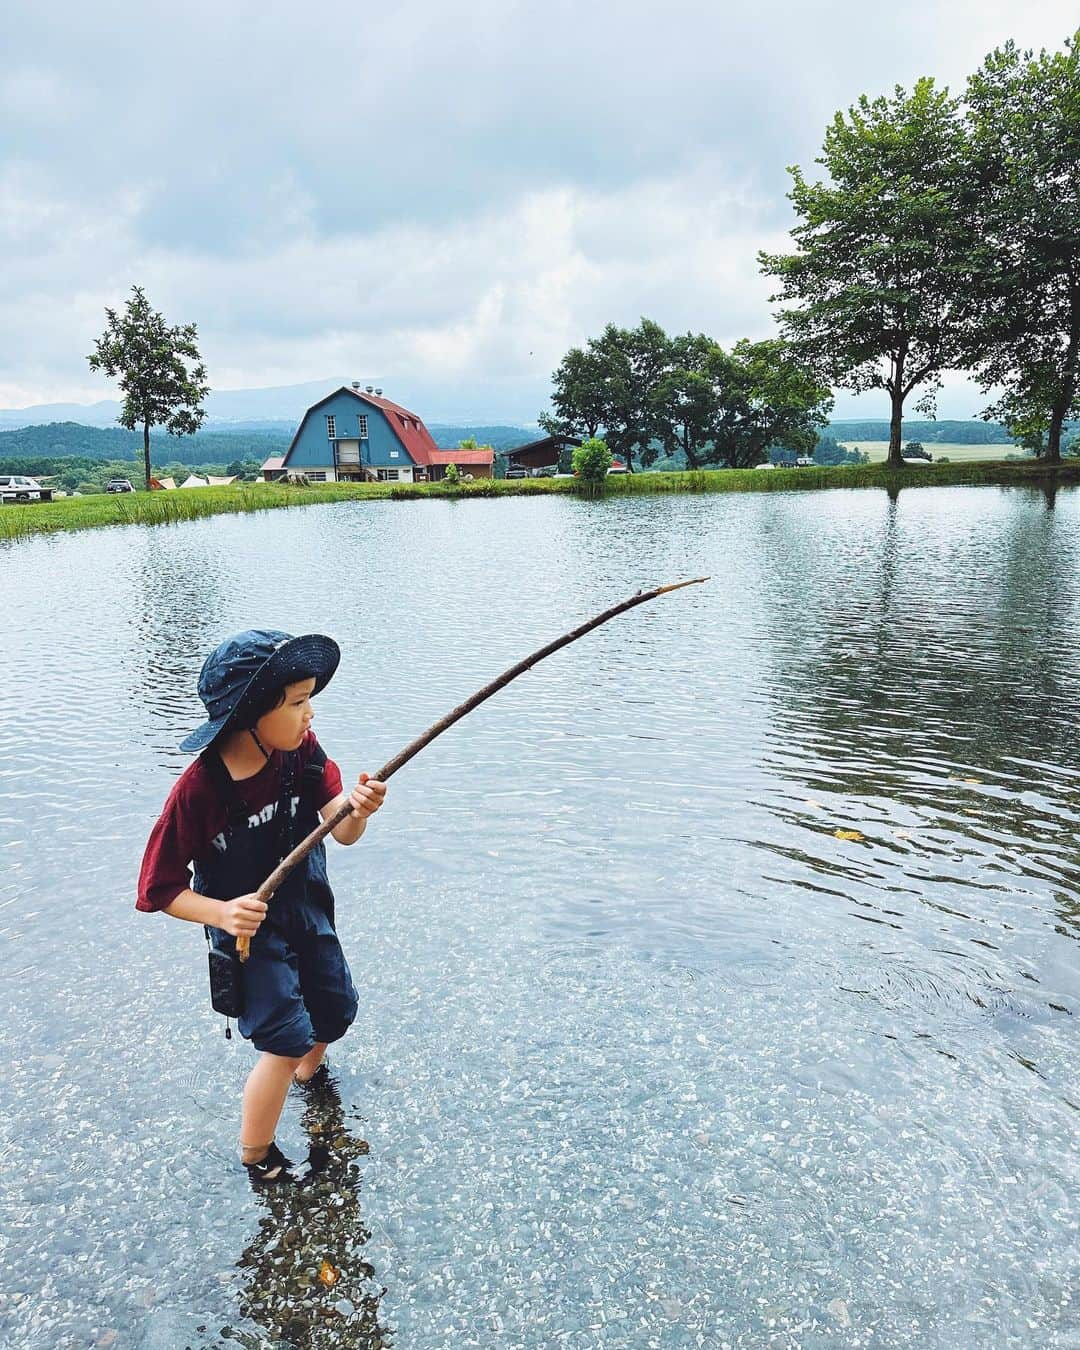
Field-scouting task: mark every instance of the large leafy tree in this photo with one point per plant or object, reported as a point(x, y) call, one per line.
point(728, 408)
point(771, 398)
point(1024, 115)
point(609, 384)
point(161, 373)
point(875, 289)
point(686, 399)
point(579, 395)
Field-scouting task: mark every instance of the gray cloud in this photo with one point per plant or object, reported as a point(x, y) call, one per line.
point(459, 192)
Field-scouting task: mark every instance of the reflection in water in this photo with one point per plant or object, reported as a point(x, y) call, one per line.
point(307, 1280)
point(924, 751)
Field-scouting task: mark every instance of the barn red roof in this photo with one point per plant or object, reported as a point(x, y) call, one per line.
point(481, 456)
point(408, 428)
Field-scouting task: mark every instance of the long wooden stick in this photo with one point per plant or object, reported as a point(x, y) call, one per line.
point(300, 852)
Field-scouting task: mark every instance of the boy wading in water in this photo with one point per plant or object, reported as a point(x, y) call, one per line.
point(260, 784)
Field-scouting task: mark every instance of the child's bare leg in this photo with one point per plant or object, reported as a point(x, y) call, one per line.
point(265, 1091)
point(311, 1061)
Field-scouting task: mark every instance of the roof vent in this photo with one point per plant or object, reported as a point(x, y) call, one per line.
point(356, 384)
point(378, 391)
point(370, 388)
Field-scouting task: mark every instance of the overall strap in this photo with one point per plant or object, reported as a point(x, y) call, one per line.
point(237, 809)
point(313, 771)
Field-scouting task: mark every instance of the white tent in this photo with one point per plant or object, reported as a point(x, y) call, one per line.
point(193, 481)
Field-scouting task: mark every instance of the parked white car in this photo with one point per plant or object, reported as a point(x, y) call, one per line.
point(16, 487)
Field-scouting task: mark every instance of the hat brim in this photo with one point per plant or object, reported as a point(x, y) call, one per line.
point(311, 656)
point(201, 737)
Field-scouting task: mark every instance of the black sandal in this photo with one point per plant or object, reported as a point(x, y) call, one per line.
point(274, 1167)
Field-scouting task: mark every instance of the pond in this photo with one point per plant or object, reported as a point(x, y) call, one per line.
point(719, 979)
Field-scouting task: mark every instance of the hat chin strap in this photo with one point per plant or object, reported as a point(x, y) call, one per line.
point(255, 738)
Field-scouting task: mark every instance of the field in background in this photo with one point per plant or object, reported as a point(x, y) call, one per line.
point(167, 508)
point(956, 454)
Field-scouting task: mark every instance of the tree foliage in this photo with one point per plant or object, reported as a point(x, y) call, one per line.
point(161, 374)
point(685, 396)
point(609, 384)
point(592, 459)
point(875, 289)
point(1024, 116)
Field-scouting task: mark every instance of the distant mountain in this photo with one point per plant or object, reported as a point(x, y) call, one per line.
point(61, 440)
point(280, 408)
point(257, 409)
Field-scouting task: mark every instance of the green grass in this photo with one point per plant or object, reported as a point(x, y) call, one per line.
point(954, 451)
point(167, 508)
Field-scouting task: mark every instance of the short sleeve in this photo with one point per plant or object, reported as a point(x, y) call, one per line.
point(330, 783)
point(177, 837)
point(330, 787)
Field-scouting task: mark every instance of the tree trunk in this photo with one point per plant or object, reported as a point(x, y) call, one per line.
point(896, 424)
point(1064, 401)
point(1053, 438)
point(146, 452)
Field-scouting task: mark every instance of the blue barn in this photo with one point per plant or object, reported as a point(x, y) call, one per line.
point(356, 435)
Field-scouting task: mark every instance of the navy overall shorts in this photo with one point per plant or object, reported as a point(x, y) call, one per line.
point(297, 984)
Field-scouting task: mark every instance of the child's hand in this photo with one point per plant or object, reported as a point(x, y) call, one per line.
point(366, 797)
point(243, 915)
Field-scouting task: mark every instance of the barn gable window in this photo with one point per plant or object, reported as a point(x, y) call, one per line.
point(331, 427)
point(362, 419)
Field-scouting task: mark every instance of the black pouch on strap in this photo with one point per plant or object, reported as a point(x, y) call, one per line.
point(226, 980)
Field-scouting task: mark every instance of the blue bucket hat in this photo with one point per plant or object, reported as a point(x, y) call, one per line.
point(247, 667)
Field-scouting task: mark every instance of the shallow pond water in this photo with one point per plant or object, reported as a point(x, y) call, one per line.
point(719, 978)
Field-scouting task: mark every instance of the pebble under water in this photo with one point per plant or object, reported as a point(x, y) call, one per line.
point(719, 980)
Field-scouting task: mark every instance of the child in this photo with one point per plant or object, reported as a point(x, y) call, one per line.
point(259, 786)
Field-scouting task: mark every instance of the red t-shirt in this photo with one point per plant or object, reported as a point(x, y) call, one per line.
point(195, 812)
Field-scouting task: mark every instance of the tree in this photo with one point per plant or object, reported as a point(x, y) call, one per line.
point(771, 398)
point(641, 356)
point(610, 384)
point(592, 459)
point(151, 361)
point(729, 408)
point(580, 397)
point(1024, 114)
point(877, 282)
point(829, 451)
point(686, 400)
point(469, 443)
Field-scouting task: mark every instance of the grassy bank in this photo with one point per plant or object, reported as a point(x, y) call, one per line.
point(165, 508)
point(957, 452)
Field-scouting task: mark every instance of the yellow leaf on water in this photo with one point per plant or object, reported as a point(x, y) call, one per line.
point(902, 834)
point(328, 1275)
point(848, 834)
point(972, 780)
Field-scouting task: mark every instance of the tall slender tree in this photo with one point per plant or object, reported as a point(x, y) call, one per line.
point(1024, 115)
point(875, 286)
point(161, 373)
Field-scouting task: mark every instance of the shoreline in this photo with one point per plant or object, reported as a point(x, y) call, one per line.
point(168, 508)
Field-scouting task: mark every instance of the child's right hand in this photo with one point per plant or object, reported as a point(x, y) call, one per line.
point(243, 915)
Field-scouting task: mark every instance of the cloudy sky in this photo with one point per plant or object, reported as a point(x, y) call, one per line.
point(439, 198)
